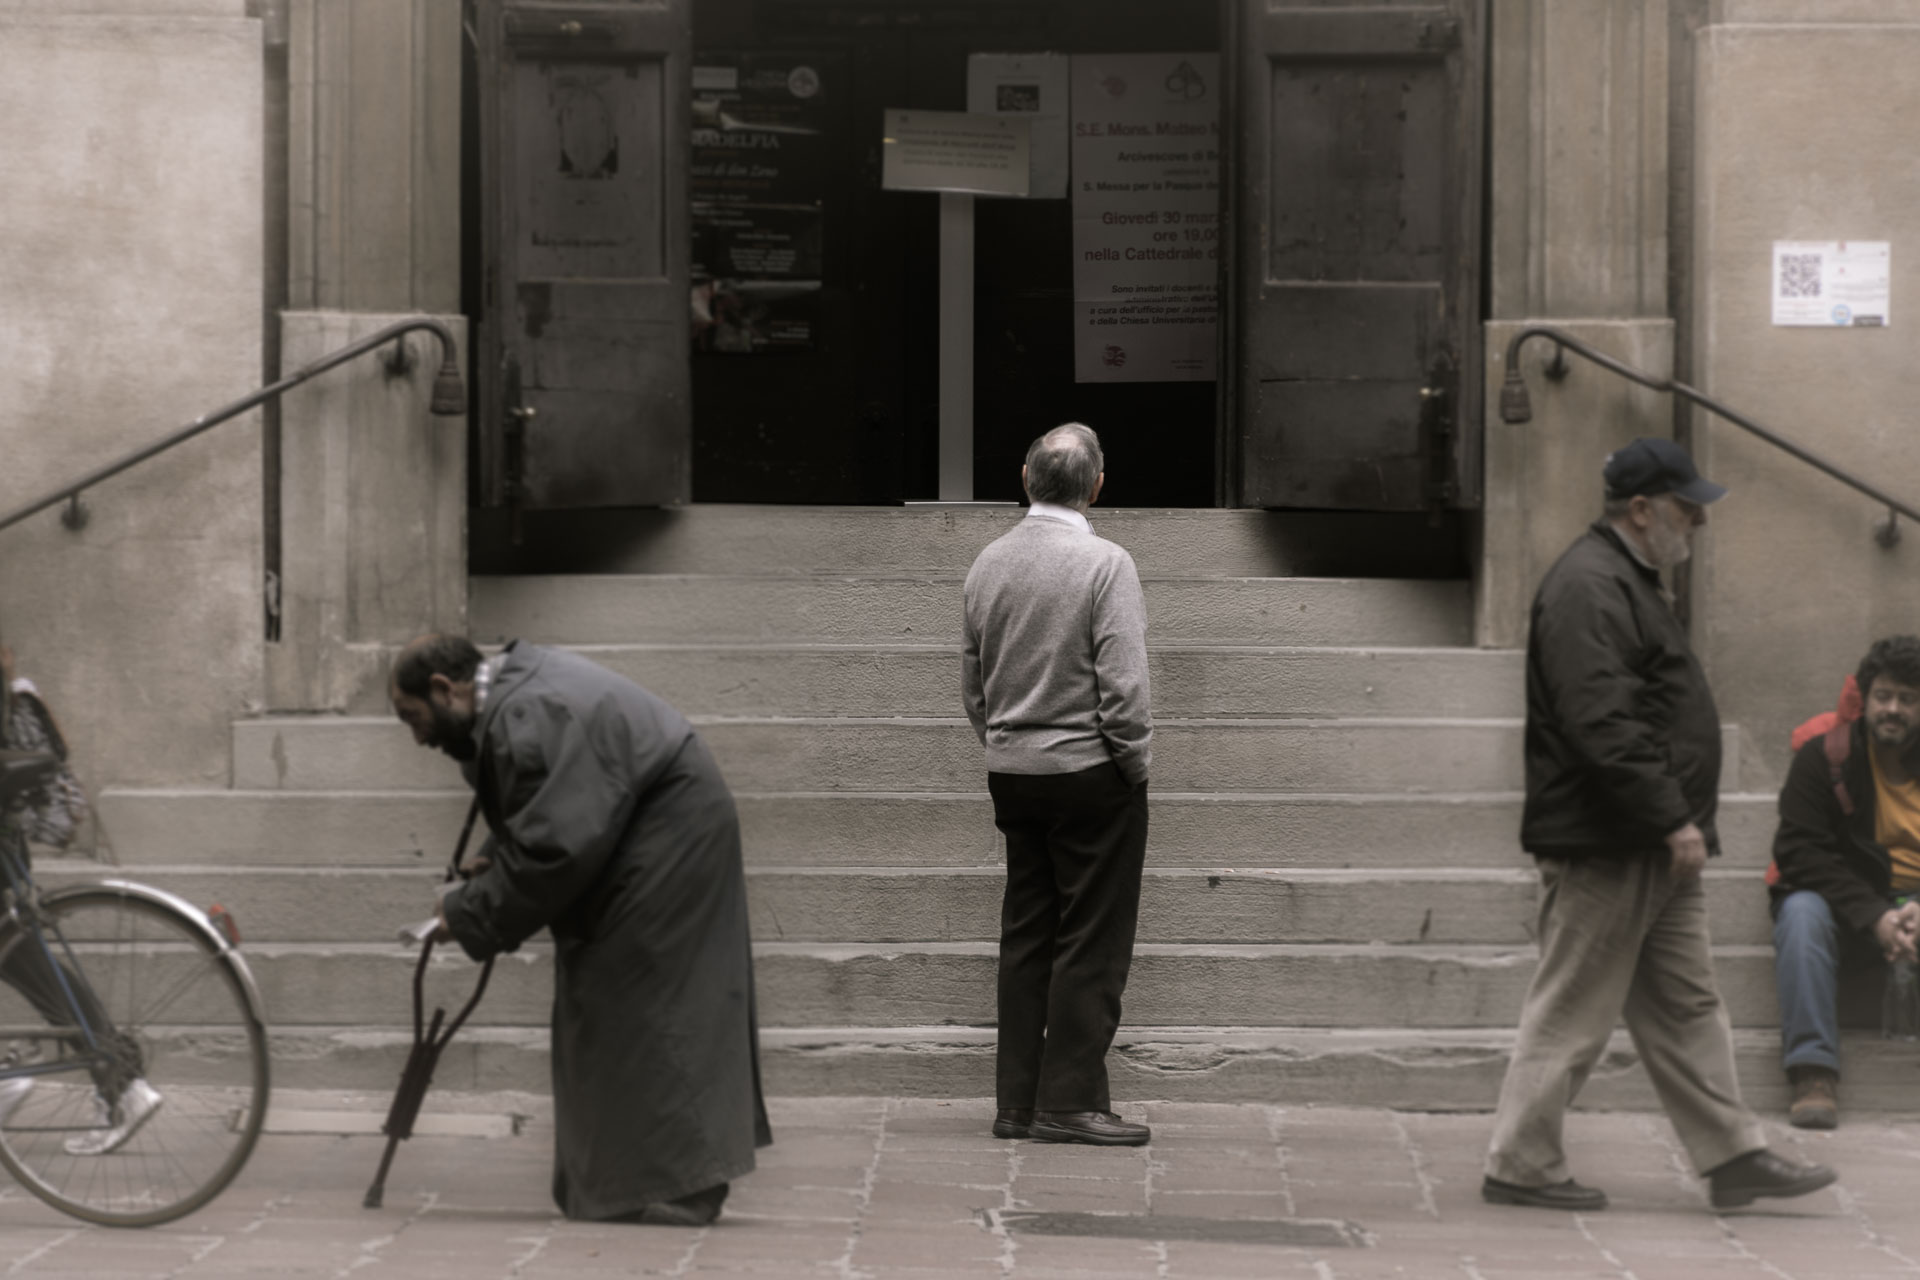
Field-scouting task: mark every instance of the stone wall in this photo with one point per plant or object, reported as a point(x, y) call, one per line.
point(131, 270)
point(1805, 131)
point(1578, 239)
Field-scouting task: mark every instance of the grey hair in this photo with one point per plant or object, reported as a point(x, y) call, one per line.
point(1615, 509)
point(1064, 464)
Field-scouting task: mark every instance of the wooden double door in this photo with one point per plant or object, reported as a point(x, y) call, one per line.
point(1352, 191)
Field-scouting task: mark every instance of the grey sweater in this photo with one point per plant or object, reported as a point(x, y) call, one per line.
point(1054, 669)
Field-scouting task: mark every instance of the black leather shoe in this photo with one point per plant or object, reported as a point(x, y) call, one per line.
point(696, 1210)
point(1762, 1173)
point(1012, 1122)
point(1568, 1195)
point(1097, 1128)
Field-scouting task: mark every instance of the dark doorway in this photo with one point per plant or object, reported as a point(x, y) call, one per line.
point(851, 414)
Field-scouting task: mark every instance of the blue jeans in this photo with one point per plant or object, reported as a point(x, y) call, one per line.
point(1809, 953)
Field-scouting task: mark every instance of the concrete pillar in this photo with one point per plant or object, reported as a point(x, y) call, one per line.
point(1578, 239)
point(373, 512)
point(131, 269)
point(374, 119)
point(374, 489)
point(1791, 587)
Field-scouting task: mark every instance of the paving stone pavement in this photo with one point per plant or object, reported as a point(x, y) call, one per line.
point(858, 1188)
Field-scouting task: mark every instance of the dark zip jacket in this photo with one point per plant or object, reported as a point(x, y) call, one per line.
point(1623, 739)
point(1819, 847)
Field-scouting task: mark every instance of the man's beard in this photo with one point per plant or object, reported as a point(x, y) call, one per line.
point(1666, 545)
point(452, 732)
point(1892, 729)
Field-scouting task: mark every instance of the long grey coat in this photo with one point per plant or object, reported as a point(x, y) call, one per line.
point(612, 827)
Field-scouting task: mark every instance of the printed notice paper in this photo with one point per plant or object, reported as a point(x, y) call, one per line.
point(1146, 216)
point(954, 151)
point(1833, 282)
point(1033, 85)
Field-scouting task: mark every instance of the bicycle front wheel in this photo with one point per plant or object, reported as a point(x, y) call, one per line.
point(156, 1118)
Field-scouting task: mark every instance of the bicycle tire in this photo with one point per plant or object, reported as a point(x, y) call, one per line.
point(185, 1018)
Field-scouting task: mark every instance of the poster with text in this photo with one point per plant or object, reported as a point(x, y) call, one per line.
point(1146, 216)
point(757, 186)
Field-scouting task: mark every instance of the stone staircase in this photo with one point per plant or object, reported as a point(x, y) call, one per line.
point(1334, 908)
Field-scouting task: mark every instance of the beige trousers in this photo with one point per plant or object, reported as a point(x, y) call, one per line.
point(1620, 936)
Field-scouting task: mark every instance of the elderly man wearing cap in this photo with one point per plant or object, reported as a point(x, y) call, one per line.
point(1623, 770)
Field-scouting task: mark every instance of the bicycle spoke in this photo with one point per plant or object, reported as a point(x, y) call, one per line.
point(152, 981)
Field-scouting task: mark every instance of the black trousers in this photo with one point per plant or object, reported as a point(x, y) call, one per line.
point(1075, 845)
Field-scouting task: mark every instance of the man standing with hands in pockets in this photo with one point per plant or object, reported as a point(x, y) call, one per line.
point(1054, 677)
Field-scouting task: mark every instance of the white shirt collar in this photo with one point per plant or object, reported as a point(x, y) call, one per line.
point(483, 682)
point(1065, 515)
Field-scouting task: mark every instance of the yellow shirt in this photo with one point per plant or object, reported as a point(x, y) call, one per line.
point(1896, 824)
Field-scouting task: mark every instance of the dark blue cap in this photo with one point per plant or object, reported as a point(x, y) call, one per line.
point(1651, 466)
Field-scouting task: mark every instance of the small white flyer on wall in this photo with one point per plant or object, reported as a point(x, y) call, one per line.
point(1829, 283)
point(1146, 216)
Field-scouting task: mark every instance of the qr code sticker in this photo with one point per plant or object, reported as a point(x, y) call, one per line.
point(1799, 275)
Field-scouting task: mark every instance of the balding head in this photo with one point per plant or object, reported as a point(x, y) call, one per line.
point(434, 655)
point(432, 692)
point(1065, 467)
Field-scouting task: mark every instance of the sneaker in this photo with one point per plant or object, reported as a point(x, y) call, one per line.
point(137, 1106)
point(1816, 1099)
point(12, 1093)
point(1759, 1173)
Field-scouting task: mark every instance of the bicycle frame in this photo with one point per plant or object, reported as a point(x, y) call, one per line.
point(24, 915)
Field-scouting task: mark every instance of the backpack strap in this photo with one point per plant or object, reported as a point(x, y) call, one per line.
point(1839, 743)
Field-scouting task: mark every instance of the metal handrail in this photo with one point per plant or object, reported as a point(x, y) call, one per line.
point(1517, 407)
point(449, 400)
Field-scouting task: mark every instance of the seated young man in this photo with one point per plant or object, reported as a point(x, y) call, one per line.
point(1845, 854)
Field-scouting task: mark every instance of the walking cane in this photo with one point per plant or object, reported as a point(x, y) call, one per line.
point(417, 1075)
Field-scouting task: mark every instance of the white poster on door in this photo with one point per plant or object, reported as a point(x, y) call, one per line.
point(1146, 216)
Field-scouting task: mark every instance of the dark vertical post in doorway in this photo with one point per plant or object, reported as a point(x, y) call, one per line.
point(273, 288)
point(1226, 450)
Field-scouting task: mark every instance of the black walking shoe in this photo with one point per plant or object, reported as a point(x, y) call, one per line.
point(1012, 1122)
point(1759, 1173)
point(696, 1210)
point(1568, 1195)
point(1096, 1128)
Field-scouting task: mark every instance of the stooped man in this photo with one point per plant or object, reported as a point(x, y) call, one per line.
point(1848, 845)
point(1054, 680)
point(609, 825)
point(1623, 772)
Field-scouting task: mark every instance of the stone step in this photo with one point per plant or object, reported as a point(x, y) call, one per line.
point(895, 608)
point(417, 829)
point(1188, 680)
point(1178, 984)
point(911, 984)
point(757, 539)
point(1293, 1066)
point(1397, 905)
point(328, 753)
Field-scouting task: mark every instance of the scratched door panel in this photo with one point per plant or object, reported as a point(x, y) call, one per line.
point(585, 308)
point(1359, 248)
